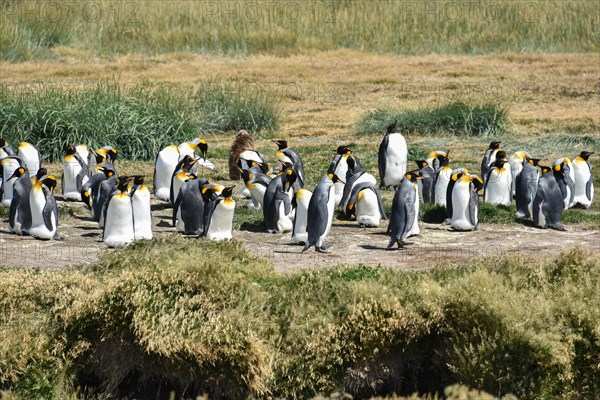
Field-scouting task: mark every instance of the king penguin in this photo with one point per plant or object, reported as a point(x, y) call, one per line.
point(454, 177)
point(181, 173)
point(584, 183)
point(489, 158)
point(257, 183)
point(188, 211)
point(277, 203)
point(118, 225)
point(219, 222)
point(30, 156)
point(6, 149)
point(320, 213)
point(526, 187)
point(75, 174)
point(300, 203)
point(516, 165)
point(44, 213)
point(19, 218)
point(287, 154)
point(165, 164)
point(405, 211)
point(427, 174)
point(366, 204)
point(548, 203)
point(103, 191)
point(441, 180)
point(142, 212)
point(498, 185)
point(355, 176)
point(339, 167)
point(8, 165)
point(465, 203)
point(392, 157)
point(565, 181)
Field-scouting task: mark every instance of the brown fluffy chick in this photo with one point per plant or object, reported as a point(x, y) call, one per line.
point(243, 141)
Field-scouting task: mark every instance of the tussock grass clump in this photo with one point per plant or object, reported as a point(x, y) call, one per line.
point(194, 317)
point(454, 118)
point(31, 30)
point(138, 119)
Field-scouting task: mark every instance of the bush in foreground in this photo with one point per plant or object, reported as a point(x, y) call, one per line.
point(198, 317)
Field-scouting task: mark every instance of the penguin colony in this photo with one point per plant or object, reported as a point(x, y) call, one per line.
point(121, 204)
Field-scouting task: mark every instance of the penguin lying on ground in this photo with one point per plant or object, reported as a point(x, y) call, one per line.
point(392, 157)
point(405, 211)
point(320, 213)
point(366, 204)
point(584, 183)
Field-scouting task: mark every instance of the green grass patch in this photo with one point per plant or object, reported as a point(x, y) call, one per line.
point(454, 118)
point(31, 30)
point(198, 317)
point(138, 119)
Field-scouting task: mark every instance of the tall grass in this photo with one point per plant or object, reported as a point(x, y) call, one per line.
point(137, 119)
point(196, 317)
point(30, 29)
point(454, 118)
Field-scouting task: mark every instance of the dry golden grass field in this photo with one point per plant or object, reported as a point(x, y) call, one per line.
point(552, 102)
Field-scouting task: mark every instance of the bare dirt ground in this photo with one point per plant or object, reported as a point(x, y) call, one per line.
point(351, 245)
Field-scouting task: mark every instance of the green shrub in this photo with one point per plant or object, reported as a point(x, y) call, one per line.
point(454, 118)
point(200, 317)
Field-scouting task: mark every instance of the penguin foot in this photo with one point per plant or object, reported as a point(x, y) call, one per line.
point(446, 221)
point(559, 227)
point(323, 249)
point(57, 237)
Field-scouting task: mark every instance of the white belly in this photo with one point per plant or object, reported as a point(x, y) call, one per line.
point(177, 184)
point(179, 225)
point(460, 207)
point(498, 190)
point(9, 168)
point(541, 217)
point(366, 177)
point(441, 186)
point(118, 224)
point(340, 171)
point(164, 168)
point(142, 215)
point(258, 195)
point(396, 159)
point(515, 169)
point(221, 223)
point(582, 176)
point(38, 229)
point(71, 170)
point(284, 223)
point(367, 209)
point(31, 158)
point(415, 230)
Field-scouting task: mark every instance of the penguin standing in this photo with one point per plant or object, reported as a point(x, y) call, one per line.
point(219, 221)
point(366, 204)
point(181, 173)
point(75, 174)
point(427, 174)
point(441, 180)
point(287, 154)
point(6, 149)
point(103, 154)
point(118, 225)
point(44, 213)
point(19, 218)
point(565, 182)
point(165, 164)
point(277, 203)
point(188, 211)
point(526, 187)
point(516, 165)
point(489, 158)
point(548, 203)
point(355, 176)
point(498, 185)
point(104, 189)
point(392, 157)
point(339, 167)
point(142, 212)
point(257, 183)
point(584, 183)
point(8, 165)
point(30, 156)
point(434, 160)
point(405, 211)
point(465, 203)
point(300, 203)
point(454, 177)
point(320, 213)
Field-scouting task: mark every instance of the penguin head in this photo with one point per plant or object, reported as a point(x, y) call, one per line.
point(341, 150)
point(203, 146)
point(138, 180)
point(100, 158)
point(285, 166)
point(533, 161)
point(559, 166)
point(227, 192)
point(18, 173)
point(392, 127)
point(70, 150)
point(477, 183)
point(458, 174)
point(421, 163)
point(586, 154)
point(112, 154)
point(247, 175)
point(264, 167)
point(281, 144)
point(49, 182)
point(334, 178)
point(290, 178)
point(123, 183)
point(501, 155)
point(545, 169)
point(495, 145)
point(3, 143)
point(41, 173)
point(107, 169)
point(187, 162)
point(445, 159)
point(413, 176)
point(499, 163)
